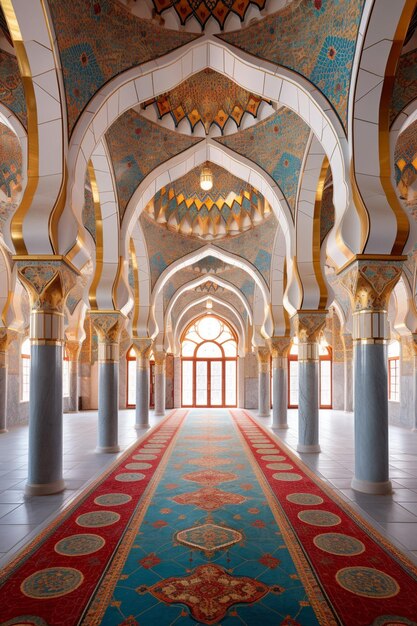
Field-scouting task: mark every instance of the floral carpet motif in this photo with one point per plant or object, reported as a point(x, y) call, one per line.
point(173, 548)
point(209, 538)
point(209, 592)
point(209, 498)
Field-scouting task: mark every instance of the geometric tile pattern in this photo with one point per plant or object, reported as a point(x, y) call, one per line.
point(405, 85)
point(202, 10)
point(99, 40)
point(11, 86)
point(316, 39)
point(232, 206)
point(277, 145)
point(207, 97)
point(10, 172)
point(137, 146)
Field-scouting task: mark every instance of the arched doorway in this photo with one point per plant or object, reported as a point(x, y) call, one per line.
point(209, 363)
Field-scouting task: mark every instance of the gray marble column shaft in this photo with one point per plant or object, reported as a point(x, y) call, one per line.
point(3, 392)
point(108, 406)
point(142, 393)
point(280, 392)
point(348, 388)
point(264, 394)
point(308, 405)
point(371, 418)
point(159, 390)
point(415, 393)
point(177, 382)
point(73, 385)
point(45, 420)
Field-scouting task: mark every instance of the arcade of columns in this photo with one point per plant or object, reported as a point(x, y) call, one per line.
point(366, 259)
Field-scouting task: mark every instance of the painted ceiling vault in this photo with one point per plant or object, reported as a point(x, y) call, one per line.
point(229, 208)
point(202, 10)
point(208, 98)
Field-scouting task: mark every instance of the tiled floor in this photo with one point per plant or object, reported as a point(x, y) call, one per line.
point(20, 518)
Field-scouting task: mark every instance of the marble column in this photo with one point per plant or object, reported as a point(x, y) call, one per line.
point(160, 357)
point(143, 349)
point(108, 326)
point(279, 349)
point(264, 382)
point(241, 382)
point(348, 373)
point(177, 382)
point(73, 351)
point(48, 283)
point(308, 326)
point(370, 283)
point(415, 382)
point(5, 338)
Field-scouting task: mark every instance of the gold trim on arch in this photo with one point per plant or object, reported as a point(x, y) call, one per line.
point(134, 261)
point(117, 281)
point(403, 226)
point(298, 279)
point(361, 209)
point(317, 235)
point(92, 296)
point(16, 226)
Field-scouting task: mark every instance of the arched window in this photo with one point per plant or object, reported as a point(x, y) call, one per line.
point(25, 371)
point(209, 363)
point(394, 371)
point(131, 379)
point(65, 375)
point(325, 376)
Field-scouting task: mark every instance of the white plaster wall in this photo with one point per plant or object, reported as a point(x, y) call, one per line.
point(251, 381)
point(338, 371)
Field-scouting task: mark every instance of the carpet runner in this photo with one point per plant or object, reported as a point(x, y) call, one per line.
point(209, 519)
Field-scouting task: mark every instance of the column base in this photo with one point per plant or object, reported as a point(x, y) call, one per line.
point(264, 414)
point(142, 426)
point(3, 430)
point(159, 414)
point(307, 449)
point(46, 489)
point(366, 486)
point(280, 426)
point(108, 449)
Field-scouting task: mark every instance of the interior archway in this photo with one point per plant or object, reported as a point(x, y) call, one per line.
point(209, 363)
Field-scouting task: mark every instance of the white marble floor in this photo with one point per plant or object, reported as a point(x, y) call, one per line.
point(20, 518)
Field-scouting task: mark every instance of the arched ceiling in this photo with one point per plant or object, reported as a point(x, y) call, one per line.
point(208, 100)
point(203, 10)
point(228, 209)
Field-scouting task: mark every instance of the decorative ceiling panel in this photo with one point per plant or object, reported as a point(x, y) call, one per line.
point(315, 38)
point(98, 40)
point(228, 209)
point(11, 86)
point(10, 173)
point(405, 85)
point(202, 10)
point(277, 145)
point(405, 159)
point(207, 97)
point(137, 146)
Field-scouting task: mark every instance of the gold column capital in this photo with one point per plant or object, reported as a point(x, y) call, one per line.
point(279, 346)
point(7, 335)
point(48, 282)
point(264, 358)
point(73, 349)
point(308, 325)
point(369, 282)
point(108, 326)
point(142, 346)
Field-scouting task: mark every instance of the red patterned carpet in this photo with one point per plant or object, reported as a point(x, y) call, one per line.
point(209, 519)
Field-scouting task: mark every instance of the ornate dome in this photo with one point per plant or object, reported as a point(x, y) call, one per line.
point(209, 99)
point(231, 207)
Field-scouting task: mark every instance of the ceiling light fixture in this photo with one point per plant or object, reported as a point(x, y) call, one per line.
point(206, 179)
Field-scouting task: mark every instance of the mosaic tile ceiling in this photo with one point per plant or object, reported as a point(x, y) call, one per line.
point(231, 207)
point(10, 173)
point(315, 38)
point(202, 10)
point(207, 97)
point(100, 39)
point(405, 159)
